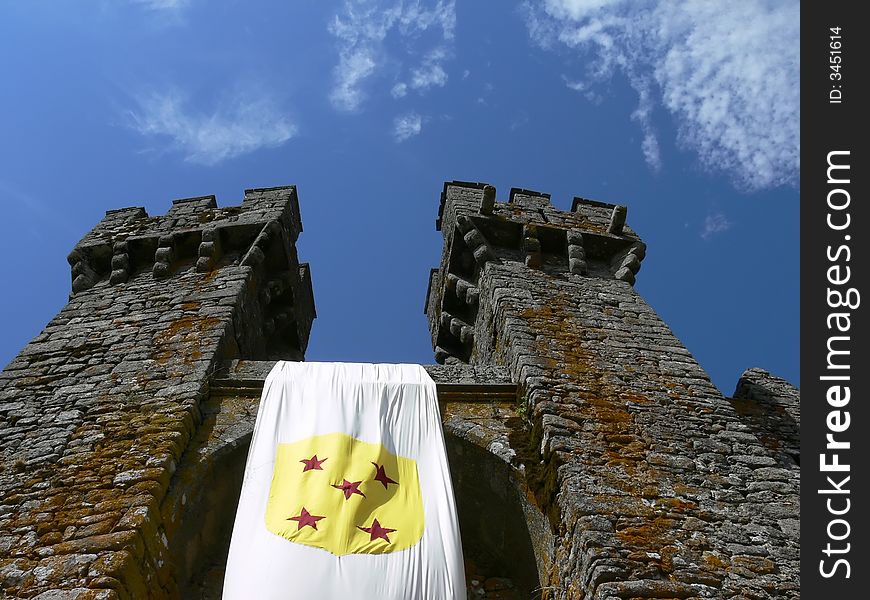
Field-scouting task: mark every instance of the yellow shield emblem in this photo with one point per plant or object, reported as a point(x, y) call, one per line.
point(346, 496)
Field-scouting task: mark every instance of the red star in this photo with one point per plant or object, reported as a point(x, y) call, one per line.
point(305, 518)
point(382, 476)
point(313, 463)
point(376, 531)
point(349, 488)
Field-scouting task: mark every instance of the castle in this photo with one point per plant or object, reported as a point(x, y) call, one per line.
point(591, 455)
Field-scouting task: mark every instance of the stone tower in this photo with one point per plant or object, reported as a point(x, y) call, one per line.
point(591, 456)
point(118, 470)
point(649, 482)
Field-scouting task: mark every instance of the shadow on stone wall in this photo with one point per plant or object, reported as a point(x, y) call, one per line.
point(202, 542)
point(498, 525)
point(770, 407)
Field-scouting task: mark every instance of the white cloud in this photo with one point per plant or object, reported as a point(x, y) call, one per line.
point(237, 127)
point(430, 73)
point(352, 69)
point(407, 126)
point(361, 30)
point(577, 86)
point(519, 120)
point(715, 223)
point(650, 148)
point(161, 4)
point(729, 74)
point(588, 91)
point(642, 114)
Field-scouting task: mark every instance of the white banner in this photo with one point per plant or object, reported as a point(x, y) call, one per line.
point(347, 492)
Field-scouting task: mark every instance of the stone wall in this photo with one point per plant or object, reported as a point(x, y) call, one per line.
point(654, 484)
point(591, 455)
point(97, 413)
point(771, 407)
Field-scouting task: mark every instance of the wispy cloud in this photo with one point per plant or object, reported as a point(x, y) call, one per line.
point(353, 68)
point(407, 126)
point(238, 126)
point(519, 120)
point(28, 212)
point(714, 223)
point(586, 89)
point(729, 74)
point(14, 197)
point(361, 29)
point(430, 73)
point(643, 115)
point(161, 4)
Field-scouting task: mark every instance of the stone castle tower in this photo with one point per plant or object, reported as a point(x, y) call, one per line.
point(591, 455)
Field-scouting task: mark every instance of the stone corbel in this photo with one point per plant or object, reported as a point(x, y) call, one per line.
point(474, 240)
point(209, 250)
point(257, 252)
point(120, 263)
point(576, 253)
point(532, 246)
point(163, 257)
point(630, 264)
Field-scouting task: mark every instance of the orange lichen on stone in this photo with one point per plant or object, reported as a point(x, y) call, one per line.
point(182, 339)
point(649, 535)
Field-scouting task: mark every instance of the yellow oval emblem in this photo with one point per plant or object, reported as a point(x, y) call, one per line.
point(346, 496)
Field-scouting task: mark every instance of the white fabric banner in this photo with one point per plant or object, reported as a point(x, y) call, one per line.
point(347, 492)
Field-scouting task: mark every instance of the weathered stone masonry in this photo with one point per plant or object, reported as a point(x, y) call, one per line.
point(591, 456)
point(98, 412)
point(653, 483)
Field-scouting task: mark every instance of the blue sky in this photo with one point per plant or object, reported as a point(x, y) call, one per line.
point(687, 112)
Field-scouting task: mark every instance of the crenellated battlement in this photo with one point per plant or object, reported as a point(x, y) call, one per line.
point(592, 240)
point(597, 227)
point(259, 234)
point(128, 241)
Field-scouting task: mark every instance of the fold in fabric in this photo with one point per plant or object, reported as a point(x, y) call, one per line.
point(347, 490)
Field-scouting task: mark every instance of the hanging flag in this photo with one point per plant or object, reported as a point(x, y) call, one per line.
point(347, 492)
